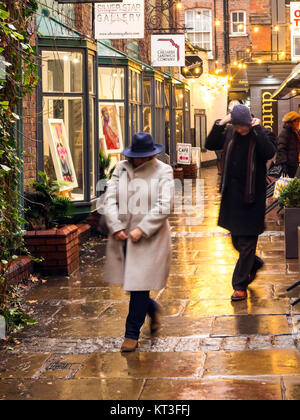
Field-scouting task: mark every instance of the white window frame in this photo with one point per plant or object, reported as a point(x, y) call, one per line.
point(244, 22)
point(191, 33)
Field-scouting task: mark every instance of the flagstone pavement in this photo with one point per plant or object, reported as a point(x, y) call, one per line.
point(208, 347)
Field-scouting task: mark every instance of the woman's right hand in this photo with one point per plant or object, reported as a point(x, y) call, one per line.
point(226, 120)
point(120, 236)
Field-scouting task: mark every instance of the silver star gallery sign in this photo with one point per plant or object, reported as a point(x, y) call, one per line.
point(88, 1)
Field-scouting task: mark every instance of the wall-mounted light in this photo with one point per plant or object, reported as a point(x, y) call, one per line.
point(256, 29)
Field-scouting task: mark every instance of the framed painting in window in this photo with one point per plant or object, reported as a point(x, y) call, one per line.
point(61, 154)
point(110, 127)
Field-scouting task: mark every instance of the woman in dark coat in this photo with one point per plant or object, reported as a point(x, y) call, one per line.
point(247, 147)
point(289, 144)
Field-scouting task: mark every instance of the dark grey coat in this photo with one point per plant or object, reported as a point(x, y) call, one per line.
point(239, 218)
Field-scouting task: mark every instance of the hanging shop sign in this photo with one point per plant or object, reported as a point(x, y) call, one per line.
point(295, 31)
point(269, 110)
point(168, 50)
point(184, 153)
point(124, 20)
point(86, 1)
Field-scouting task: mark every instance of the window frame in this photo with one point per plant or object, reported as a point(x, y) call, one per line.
point(232, 23)
point(194, 32)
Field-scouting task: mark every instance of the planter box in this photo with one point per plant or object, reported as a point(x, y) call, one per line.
point(190, 171)
point(58, 247)
point(291, 223)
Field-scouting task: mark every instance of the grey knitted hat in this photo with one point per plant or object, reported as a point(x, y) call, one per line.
point(241, 115)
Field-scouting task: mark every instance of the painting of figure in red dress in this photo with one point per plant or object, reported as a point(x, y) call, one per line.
point(111, 128)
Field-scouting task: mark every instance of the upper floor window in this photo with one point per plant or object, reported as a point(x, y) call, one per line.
point(238, 23)
point(199, 28)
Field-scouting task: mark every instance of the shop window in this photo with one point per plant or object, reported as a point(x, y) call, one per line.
point(111, 83)
point(63, 142)
point(199, 28)
point(68, 136)
point(238, 23)
point(62, 72)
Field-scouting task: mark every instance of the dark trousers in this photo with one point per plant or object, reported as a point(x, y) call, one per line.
point(248, 262)
point(140, 305)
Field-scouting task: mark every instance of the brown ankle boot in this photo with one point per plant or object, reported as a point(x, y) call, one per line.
point(129, 345)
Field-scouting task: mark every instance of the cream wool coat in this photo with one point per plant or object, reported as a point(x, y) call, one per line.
point(147, 263)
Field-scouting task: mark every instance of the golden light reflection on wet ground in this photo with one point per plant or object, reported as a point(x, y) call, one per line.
point(208, 347)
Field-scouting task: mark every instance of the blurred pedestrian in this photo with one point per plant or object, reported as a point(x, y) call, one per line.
point(288, 151)
point(139, 245)
point(247, 148)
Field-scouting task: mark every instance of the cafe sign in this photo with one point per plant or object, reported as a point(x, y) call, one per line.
point(184, 153)
point(114, 20)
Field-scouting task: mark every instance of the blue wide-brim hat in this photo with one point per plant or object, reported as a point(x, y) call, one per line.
point(142, 146)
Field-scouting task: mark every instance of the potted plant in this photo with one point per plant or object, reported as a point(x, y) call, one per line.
point(48, 236)
point(290, 199)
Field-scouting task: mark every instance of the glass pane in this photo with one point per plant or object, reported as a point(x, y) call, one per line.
point(179, 98)
point(179, 127)
point(134, 119)
point(111, 126)
point(91, 76)
point(147, 120)
point(167, 131)
point(139, 99)
point(62, 71)
point(92, 147)
point(130, 84)
point(111, 83)
point(147, 92)
point(167, 95)
point(134, 85)
point(63, 143)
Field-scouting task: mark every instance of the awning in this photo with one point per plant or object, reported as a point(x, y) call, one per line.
point(292, 82)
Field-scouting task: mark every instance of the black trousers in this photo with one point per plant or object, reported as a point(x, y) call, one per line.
point(248, 262)
point(140, 305)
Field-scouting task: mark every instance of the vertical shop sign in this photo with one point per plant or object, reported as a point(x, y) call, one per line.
point(269, 110)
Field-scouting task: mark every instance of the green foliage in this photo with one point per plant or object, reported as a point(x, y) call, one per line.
point(290, 195)
point(104, 164)
point(45, 208)
point(18, 78)
point(14, 314)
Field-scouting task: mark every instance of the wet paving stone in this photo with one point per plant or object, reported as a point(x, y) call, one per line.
point(142, 365)
point(208, 348)
point(292, 388)
point(252, 363)
point(251, 325)
point(219, 389)
point(72, 390)
point(249, 307)
point(21, 366)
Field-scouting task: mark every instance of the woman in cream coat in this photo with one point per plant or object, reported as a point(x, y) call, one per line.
point(138, 202)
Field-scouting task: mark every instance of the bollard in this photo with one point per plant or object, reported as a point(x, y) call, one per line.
point(2, 328)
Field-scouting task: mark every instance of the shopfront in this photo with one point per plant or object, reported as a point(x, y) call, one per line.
point(67, 120)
